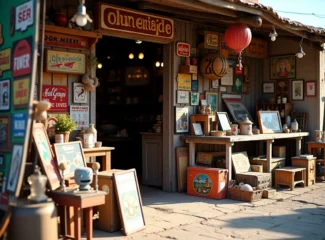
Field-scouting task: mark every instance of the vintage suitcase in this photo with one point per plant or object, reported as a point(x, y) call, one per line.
point(244, 173)
point(207, 182)
point(109, 219)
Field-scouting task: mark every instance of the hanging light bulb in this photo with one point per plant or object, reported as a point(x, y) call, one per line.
point(138, 41)
point(273, 35)
point(131, 56)
point(301, 52)
point(141, 56)
point(81, 17)
point(161, 64)
point(157, 64)
point(99, 66)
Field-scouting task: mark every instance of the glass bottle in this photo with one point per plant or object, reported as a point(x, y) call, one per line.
point(288, 120)
point(92, 130)
point(294, 126)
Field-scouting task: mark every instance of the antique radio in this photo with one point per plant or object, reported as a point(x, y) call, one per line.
point(207, 182)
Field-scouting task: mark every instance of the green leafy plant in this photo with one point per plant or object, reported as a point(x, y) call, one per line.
point(64, 124)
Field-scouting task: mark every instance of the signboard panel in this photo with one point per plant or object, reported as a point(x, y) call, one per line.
point(66, 41)
point(57, 96)
point(80, 114)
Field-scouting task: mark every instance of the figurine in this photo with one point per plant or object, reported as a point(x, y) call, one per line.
point(95, 167)
point(83, 177)
point(37, 189)
point(63, 166)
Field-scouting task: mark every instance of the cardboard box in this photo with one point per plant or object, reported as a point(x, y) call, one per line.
point(188, 69)
point(207, 182)
point(279, 151)
point(109, 218)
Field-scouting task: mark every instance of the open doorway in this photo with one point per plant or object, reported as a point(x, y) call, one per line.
point(129, 97)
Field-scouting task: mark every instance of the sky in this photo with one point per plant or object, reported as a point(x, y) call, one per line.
point(308, 12)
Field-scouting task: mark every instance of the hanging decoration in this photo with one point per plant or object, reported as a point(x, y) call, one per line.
point(237, 37)
point(214, 66)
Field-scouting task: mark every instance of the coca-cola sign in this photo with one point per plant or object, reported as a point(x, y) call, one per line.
point(57, 96)
point(183, 49)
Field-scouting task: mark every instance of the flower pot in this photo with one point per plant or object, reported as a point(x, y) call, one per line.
point(66, 135)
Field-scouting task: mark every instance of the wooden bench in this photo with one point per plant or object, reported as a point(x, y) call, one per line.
point(290, 176)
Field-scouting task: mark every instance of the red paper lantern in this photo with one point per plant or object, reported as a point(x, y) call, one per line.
point(238, 36)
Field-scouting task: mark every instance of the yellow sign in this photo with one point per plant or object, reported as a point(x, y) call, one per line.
point(184, 81)
point(211, 40)
point(65, 62)
point(5, 56)
point(21, 92)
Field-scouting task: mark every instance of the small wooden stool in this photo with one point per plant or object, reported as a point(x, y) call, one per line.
point(207, 122)
point(290, 176)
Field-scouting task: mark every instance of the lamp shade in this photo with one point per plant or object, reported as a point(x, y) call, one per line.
point(238, 36)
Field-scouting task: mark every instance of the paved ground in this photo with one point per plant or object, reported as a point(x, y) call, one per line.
point(298, 214)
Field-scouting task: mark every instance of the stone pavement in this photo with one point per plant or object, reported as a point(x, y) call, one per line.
point(298, 214)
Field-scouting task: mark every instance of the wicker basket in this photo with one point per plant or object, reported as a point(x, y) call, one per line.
point(247, 196)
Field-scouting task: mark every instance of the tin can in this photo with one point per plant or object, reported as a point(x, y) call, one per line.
point(194, 61)
point(59, 138)
point(318, 135)
point(234, 129)
point(187, 61)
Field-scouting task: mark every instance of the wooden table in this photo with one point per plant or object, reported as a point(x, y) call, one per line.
point(78, 201)
point(104, 152)
point(229, 142)
point(312, 149)
point(290, 176)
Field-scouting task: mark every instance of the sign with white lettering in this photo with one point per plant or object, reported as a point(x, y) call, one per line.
point(5, 55)
point(66, 41)
point(24, 16)
point(19, 124)
point(80, 114)
point(22, 57)
point(211, 40)
point(119, 21)
point(183, 49)
point(57, 96)
point(21, 92)
point(65, 62)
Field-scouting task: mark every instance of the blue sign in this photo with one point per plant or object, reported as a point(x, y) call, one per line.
point(19, 124)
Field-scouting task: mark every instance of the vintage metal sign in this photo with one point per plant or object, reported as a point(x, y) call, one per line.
point(57, 96)
point(22, 58)
point(115, 20)
point(183, 49)
point(5, 56)
point(211, 40)
point(65, 62)
point(19, 124)
point(21, 92)
point(66, 41)
point(24, 16)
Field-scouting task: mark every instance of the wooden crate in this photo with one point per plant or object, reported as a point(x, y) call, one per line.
point(188, 69)
point(279, 151)
point(109, 218)
point(247, 196)
point(309, 164)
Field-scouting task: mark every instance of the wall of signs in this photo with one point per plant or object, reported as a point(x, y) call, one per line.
point(18, 28)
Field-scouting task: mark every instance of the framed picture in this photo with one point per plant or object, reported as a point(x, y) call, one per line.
point(310, 88)
point(197, 129)
point(213, 99)
point(183, 97)
point(223, 89)
point(215, 83)
point(72, 154)
point(2, 160)
point(282, 87)
point(269, 121)
point(297, 90)
point(195, 98)
point(181, 120)
point(46, 155)
point(195, 85)
point(268, 87)
point(283, 67)
point(238, 111)
point(5, 134)
point(182, 164)
point(129, 200)
point(15, 173)
point(80, 95)
point(238, 84)
point(223, 121)
point(5, 95)
point(228, 79)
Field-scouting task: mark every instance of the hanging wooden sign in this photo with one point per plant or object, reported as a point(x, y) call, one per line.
point(66, 41)
point(65, 62)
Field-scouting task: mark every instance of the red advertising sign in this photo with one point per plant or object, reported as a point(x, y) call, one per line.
point(66, 41)
point(22, 58)
point(183, 49)
point(57, 96)
point(123, 21)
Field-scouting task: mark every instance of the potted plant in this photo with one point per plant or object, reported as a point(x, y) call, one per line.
point(64, 125)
